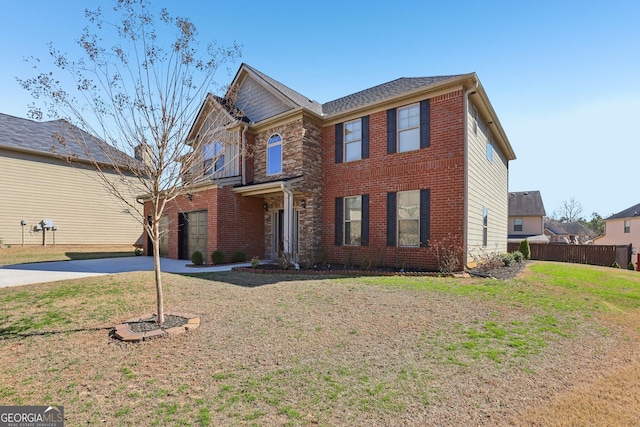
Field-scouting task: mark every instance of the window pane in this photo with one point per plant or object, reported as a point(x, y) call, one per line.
point(274, 159)
point(353, 131)
point(409, 140)
point(274, 139)
point(352, 151)
point(409, 205)
point(409, 117)
point(352, 208)
point(409, 233)
point(352, 233)
point(208, 151)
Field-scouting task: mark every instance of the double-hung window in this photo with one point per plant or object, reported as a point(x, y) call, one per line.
point(353, 140)
point(409, 218)
point(517, 224)
point(627, 226)
point(274, 155)
point(409, 128)
point(353, 220)
point(213, 155)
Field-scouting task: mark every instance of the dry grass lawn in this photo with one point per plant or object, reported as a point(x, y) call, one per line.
point(555, 346)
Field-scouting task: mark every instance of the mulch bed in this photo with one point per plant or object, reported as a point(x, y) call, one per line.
point(150, 324)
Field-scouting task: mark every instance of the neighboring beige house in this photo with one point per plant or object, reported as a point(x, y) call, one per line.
point(623, 228)
point(572, 233)
point(526, 217)
point(37, 183)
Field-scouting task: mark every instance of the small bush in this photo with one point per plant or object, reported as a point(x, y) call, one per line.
point(197, 258)
point(449, 253)
point(217, 257)
point(239, 256)
point(138, 251)
point(517, 256)
point(507, 259)
point(615, 265)
point(631, 266)
point(525, 249)
point(255, 262)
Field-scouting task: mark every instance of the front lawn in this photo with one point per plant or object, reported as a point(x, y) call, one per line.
point(289, 350)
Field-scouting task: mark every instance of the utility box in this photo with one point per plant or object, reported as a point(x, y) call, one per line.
point(46, 223)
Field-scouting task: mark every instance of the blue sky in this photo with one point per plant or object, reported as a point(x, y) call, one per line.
point(563, 76)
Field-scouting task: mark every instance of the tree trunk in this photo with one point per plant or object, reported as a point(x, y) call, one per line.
point(156, 268)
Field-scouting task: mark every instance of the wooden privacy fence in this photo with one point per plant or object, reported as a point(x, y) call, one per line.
point(604, 255)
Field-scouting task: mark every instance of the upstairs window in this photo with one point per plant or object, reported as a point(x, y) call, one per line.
point(213, 155)
point(409, 128)
point(627, 226)
point(274, 155)
point(490, 149)
point(353, 140)
point(517, 224)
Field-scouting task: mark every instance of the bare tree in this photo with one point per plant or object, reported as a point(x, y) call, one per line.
point(140, 95)
point(569, 211)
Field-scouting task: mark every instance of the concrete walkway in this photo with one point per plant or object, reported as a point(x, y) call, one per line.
point(41, 272)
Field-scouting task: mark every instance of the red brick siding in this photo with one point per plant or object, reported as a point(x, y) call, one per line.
point(233, 222)
point(439, 167)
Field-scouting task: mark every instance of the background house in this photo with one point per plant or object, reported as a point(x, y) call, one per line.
point(38, 183)
point(623, 228)
point(375, 177)
point(572, 233)
point(526, 217)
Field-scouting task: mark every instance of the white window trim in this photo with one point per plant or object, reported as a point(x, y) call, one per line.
point(515, 224)
point(269, 146)
point(345, 221)
point(399, 131)
point(398, 220)
point(355, 141)
point(626, 226)
point(485, 226)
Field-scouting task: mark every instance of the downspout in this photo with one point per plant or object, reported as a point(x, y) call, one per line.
point(288, 217)
point(242, 148)
point(465, 222)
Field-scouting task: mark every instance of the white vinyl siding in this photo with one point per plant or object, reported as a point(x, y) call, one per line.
point(487, 188)
point(34, 188)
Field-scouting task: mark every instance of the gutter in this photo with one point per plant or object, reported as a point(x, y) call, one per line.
point(465, 223)
point(243, 154)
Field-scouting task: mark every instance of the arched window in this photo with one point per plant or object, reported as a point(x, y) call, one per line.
point(274, 155)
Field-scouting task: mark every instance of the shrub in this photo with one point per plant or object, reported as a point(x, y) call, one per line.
point(197, 258)
point(507, 259)
point(631, 266)
point(217, 257)
point(239, 256)
point(517, 256)
point(615, 265)
point(449, 253)
point(525, 249)
point(255, 262)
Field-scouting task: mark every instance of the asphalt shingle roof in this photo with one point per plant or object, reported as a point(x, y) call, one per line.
point(45, 137)
point(526, 203)
point(381, 92)
point(631, 212)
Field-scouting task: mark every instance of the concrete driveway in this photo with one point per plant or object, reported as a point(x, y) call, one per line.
point(41, 272)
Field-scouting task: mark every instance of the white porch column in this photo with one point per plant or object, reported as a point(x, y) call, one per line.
point(288, 220)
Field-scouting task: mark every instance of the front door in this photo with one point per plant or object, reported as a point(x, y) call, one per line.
point(277, 246)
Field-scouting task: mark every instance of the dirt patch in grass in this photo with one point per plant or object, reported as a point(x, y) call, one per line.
point(284, 350)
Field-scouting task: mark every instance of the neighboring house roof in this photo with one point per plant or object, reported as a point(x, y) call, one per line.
point(567, 228)
point(526, 203)
point(382, 92)
point(55, 138)
point(631, 212)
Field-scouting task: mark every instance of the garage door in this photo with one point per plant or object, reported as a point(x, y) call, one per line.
point(194, 234)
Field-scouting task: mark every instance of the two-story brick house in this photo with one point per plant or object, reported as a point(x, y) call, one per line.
point(371, 178)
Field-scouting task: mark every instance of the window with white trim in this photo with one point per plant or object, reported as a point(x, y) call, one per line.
point(409, 128)
point(274, 155)
point(627, 226)
point(213, 155)
point(353, 140)
point(517, 224)
point(353, 221)
point(409, 218)
point(485, 226)
point(490, 148)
